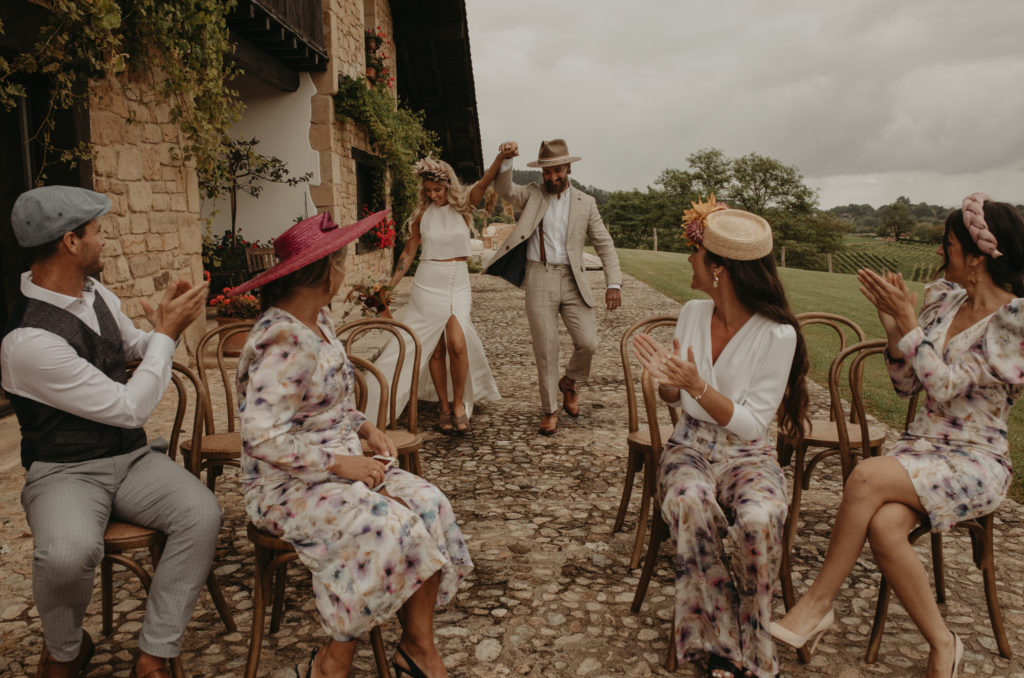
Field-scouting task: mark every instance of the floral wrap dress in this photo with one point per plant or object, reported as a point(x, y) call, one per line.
point(955, 450)
point(717, 481)
point(367, 553)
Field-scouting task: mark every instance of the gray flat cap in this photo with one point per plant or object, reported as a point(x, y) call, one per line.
point(44, 214)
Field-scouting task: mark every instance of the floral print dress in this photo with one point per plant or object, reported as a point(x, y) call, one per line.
point(367, 553)
point(955, 451)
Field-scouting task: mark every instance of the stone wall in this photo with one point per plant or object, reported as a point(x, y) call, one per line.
point(344, 24)
point(153, 229)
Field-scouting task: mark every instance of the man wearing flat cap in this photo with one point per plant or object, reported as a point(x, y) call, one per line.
point(83, 447)
point(544, 255)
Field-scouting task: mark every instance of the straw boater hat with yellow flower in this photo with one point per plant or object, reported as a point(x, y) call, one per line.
point(307, 241)
point(730, 233)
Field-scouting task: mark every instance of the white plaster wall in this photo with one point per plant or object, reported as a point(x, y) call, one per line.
point(281, 122)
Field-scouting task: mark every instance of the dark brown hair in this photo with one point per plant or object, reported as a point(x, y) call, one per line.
point(1007, 226)
point(48, 249)
point(759, 288)
point(311, 275)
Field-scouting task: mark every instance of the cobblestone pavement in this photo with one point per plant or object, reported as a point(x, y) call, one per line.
point(551, 592)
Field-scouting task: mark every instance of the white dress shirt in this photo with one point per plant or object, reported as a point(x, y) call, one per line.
point(42, 366)
point(752, 370)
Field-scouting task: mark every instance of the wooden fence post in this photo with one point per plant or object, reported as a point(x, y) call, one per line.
point(783, 256)
point(655, 239)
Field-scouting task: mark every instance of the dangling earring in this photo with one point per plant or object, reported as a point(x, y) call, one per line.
point(714, 279)
point(972, 276)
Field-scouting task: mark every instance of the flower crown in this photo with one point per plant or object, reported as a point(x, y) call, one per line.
point(695, 220)
point(432, 170)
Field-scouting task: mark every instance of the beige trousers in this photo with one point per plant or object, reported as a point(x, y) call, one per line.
point(551, 291)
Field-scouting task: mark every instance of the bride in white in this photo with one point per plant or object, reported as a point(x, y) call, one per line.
point(438, 309)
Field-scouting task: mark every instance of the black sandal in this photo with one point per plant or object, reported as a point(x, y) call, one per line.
point(717, 662)
point(413, 670)
point(308, 667)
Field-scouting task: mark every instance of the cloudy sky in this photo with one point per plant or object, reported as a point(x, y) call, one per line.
point(870, 99)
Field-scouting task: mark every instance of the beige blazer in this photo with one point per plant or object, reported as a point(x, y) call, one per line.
point(531, 201)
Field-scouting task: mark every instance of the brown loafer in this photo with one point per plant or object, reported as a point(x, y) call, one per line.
point(51, 668)
point(162, 671)
point(548, 424)
point(570, 399)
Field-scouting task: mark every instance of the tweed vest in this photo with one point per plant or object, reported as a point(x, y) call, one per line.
point(53, 435)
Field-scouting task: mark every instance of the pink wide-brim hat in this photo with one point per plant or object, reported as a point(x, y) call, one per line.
point(307, 241)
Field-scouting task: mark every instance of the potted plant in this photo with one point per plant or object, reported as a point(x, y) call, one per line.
point(232, 310)
point(241, 168)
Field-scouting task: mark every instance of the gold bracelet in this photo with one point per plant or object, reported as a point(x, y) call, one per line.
point(697, 398)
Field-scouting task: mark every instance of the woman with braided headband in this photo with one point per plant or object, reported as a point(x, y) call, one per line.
point(964, 352)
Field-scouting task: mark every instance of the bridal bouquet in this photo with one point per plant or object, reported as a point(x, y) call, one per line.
point(374, 299)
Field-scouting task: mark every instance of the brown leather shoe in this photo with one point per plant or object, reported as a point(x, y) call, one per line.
point(161, 671)
point(51, 668)
point(570, 399)
point(548, 424)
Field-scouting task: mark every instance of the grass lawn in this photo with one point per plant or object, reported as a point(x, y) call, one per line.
point(670, 272)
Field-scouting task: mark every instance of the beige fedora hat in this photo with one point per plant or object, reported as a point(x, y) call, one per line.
point(552, 153)
point(739, 235)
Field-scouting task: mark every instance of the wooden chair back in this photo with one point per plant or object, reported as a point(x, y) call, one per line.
point(645, 326)
point(362, 368)
point(404, 336)
point(225, 365)
point(183, 380)
point(259, 259)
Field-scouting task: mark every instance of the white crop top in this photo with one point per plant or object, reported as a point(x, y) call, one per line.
point(443, 233)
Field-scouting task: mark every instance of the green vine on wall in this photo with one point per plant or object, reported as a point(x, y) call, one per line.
point(396, 133)
point(179, 47)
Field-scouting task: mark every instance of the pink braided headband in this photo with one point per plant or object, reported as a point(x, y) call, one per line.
point(974, 220)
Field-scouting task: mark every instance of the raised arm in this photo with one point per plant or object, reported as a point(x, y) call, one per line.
point(506, 151)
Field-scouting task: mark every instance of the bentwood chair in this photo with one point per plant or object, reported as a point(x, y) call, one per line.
point(217, 448)
point(853, 435)
point(659, 530)
point(638, 438)
point(408, 440)
point(981, 531)
point(121, 537)
point(259, 259)
point(822, 433)
point(274, 554)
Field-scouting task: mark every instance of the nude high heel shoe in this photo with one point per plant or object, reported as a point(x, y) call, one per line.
point(796, 640)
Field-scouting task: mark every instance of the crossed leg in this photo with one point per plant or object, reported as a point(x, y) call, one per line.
point(879, 501)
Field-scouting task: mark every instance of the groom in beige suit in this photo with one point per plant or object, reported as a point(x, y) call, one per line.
point(544, 255)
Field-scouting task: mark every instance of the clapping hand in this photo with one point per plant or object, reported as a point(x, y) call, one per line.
point(668, 368)
point(891, 298)
point(180, 306)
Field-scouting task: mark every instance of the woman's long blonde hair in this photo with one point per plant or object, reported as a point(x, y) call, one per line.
point(429, 169)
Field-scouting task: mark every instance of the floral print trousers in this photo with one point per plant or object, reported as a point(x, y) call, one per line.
point(712, 486)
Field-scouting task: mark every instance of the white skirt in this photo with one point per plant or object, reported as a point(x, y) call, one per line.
point(440, 290)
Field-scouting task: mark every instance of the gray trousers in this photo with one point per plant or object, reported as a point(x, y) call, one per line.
point(68, 507)
point(551, 291)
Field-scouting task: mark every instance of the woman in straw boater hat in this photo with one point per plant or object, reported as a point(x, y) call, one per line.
point(964, 352)
point(376, 539)
point(439, 306)
point(733, 360)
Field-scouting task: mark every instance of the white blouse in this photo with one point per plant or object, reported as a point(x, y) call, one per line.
point(751, 371)
point(443, 233)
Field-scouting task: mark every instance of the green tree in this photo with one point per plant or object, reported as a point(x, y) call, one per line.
point(764, 185)
point(710, 172)
point(895, 220)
